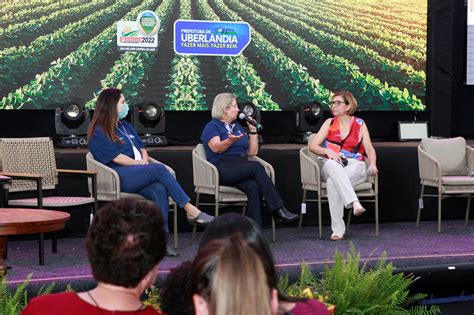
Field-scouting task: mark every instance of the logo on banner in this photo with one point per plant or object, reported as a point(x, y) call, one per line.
point(139, 35)
point(217, 38)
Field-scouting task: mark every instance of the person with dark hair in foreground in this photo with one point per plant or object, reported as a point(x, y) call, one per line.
point(228, 147)
point(229, 279)
point(176, 292)
point(125, 243)
point(114, 142)
point(227, 224)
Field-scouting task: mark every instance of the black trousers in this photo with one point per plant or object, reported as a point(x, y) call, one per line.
point(249, 177)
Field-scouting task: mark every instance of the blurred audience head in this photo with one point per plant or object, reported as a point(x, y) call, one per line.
point(125, 243)
point(229, 278)
point(176, 293)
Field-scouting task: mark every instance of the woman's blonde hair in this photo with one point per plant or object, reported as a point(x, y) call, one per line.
point(229, 275)
point(221, 102)
point(349, 99)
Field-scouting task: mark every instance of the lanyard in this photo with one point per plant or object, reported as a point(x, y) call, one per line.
point(136, 153)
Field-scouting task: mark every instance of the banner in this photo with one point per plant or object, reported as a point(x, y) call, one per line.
point(211, 38)
point(139, 35)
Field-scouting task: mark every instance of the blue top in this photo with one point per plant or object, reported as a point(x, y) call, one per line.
point(218, 128)
point(105, 150)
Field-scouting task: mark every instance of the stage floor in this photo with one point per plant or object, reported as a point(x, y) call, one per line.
point(406, 246)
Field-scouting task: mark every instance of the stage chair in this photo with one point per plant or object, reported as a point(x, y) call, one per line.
point(31, 163)
point(446, 164)
point(311, 180)
point(206, 182)
point(108, 188)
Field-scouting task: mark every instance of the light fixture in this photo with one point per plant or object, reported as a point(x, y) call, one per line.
point(308, 118)
point(149, 122)
point(71, 121)
point(250, 109)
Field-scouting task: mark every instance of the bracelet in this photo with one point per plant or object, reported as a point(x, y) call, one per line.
point(253, 132)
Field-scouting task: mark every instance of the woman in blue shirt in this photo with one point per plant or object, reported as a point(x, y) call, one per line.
point(115, 143)
point(227, 146)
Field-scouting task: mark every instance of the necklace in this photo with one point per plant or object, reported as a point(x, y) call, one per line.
point(142, 306)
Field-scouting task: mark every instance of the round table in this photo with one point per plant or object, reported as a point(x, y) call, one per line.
point(15, 221)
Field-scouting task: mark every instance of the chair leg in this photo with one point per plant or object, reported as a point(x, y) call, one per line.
point(320, 216)
point(54, 243)
point(439, 210)
point(273, 230)
point(377, 215)
point(300, 223)
point(175, 226)
point(467, 209)
point(41, 249)
point(197, 206)
point(349, 215)
point(419, 206)
point(216, 206)
point(5, 252)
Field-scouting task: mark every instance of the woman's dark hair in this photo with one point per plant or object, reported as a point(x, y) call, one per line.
point(231, 223)
point(125, 241)
point(177, 291)
point(105, 113)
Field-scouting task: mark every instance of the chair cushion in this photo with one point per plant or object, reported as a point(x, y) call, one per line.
point(450, 153)
point(457, 180)
point(53, 201)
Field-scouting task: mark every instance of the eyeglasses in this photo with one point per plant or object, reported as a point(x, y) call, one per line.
point(332, 103)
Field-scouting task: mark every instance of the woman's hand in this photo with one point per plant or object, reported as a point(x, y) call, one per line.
point(234, 138)
point(333, 155)
point(252, 128)
point(141, 162)
point(372, 170)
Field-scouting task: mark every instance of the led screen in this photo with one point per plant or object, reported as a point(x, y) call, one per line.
point(57, 52)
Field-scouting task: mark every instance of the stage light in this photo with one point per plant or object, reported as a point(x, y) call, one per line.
point(308, 118)
point(250, 109)
point(71, 120)
point(149, 122)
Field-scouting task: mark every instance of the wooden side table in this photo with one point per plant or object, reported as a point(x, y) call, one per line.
point(16, 221)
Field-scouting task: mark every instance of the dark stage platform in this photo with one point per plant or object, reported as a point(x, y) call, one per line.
point(444, 261)
point(398, 181)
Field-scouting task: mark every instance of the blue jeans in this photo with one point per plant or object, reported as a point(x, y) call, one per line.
point(155, 183)
point(249, 177)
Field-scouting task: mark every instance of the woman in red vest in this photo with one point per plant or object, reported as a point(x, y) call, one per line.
point(345, 141)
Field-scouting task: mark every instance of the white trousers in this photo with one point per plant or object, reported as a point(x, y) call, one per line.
point(339, 185)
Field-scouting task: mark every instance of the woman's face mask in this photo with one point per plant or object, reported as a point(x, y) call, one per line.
point(122, 108)
point(123, 111)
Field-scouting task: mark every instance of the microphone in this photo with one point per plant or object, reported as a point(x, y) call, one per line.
point(251, 121)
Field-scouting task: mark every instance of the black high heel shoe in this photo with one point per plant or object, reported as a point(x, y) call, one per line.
point(282, 215)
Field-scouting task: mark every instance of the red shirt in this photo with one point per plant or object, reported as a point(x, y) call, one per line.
point(70, 303)
point(310, 307)
point(351, 146)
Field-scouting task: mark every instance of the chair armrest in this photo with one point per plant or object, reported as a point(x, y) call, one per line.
point(83, 173)
point(169, 168)
point(25, 176)
point(429, 167)
point(108, 181)
point(470, 159)
point(205, 174)
point(38, 178)
point(78, 172)
point(268, 167)
point(309, 168)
